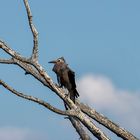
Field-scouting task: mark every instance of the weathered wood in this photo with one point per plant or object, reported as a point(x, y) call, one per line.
point(79, 114)
point(115, 128)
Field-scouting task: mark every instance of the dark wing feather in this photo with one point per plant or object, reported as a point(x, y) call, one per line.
point(71, 75)
point(59, 81)
point(55, 69)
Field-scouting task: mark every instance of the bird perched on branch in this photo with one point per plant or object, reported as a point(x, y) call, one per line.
point(65, 77)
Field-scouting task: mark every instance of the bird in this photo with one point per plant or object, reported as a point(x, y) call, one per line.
point(65, 77)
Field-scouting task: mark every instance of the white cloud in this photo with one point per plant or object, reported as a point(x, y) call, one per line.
point(100, 92)
point(14, 133)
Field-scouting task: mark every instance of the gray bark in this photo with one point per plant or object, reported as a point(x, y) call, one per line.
point(80, 115)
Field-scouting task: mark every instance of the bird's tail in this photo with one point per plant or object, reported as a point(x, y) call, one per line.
point(74, 94)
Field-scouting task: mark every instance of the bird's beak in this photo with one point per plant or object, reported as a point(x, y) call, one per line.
point(54, 61)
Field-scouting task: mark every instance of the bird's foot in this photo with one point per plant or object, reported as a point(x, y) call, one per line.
point(66, 94)
point(59, 86)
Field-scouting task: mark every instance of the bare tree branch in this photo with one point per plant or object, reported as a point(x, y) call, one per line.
point(27, 67)
point(12, 53)
point(90, 125)
point(94, 130)
point(119, 131)
point(17, 56)
point(40, 69)
point(79, 128)
point(37, 100)
point(7, 61)
point(79, 113)
point(97, 132)
point(34, 31)
point(30, 70)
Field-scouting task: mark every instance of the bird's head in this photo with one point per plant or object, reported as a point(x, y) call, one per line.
point(58, 61)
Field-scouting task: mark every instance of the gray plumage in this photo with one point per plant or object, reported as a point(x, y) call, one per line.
point(65, 77)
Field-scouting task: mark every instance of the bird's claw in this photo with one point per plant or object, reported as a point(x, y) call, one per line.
point(59, 86)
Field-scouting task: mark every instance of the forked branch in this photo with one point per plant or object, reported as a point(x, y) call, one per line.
point(78, 113)
point(13, 53)
point(34, 32)
point(7, 61)
point(36, 100)
point(79, 128)
point(115, 128)
point(75, 113)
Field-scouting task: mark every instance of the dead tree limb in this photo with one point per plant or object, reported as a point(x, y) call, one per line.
point(79, 128)
point(36, 100)
point(50, 84)
point(79, 116)
point(115, 128)
point(34, 56)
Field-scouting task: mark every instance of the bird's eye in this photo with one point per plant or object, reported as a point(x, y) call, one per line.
point(59, 60)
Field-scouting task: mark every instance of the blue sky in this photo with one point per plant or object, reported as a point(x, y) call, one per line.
point(99, 39)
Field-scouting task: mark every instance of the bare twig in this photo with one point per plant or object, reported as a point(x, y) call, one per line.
point(97, 132)
point(79, 128)
point(23, 60)
point(119, 131)
point(37, 100)
point(34, 31)
point(13, 53)
point(27, 67)
point(31, 70)
point(19, 57)
point(7, 61)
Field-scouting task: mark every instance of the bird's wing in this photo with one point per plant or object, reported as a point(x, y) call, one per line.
point(71, 75)
point(74, 93)
point(58, 80)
